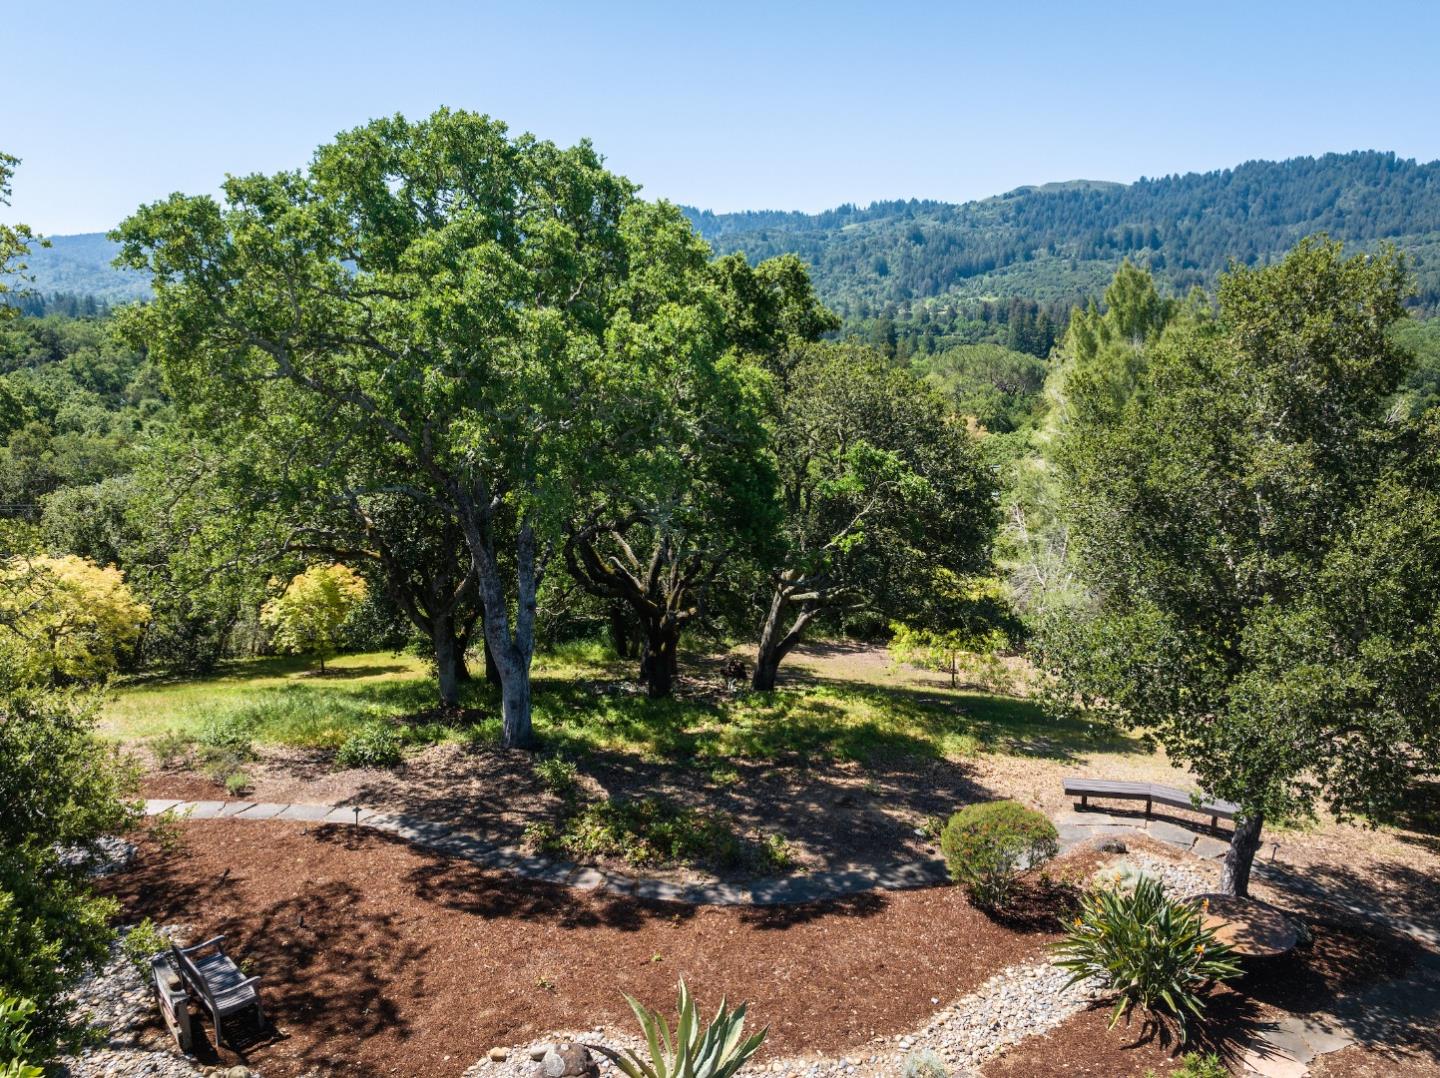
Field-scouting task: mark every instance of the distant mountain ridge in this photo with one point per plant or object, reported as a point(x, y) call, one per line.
point(1055, 243)
point(1061, 242)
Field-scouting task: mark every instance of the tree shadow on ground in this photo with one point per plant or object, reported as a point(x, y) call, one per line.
point(304, 947)
point(496, 896)
point(778, 918)
point(1402, 897)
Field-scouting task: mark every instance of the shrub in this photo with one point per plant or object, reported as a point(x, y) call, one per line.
point(692, 1050)
point(1154, 952)
point(171, 748)
point(228, 735)
point(236, 783)
point(60, 787)
point(374, 745)
point(15, 1014)
point(987, 846)
point(142, 943)
point(1198, 1066)
point(647, 831)
point(558, 775)
point(925, 1065)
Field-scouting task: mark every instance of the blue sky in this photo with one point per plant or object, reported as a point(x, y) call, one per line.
point(726, 106)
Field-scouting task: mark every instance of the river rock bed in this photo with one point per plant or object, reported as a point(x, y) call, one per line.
point(129, 1039)
point(1015, 1003)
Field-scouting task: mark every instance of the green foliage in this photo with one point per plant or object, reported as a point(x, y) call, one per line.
point(925, 1064)
point(79, 620)
point(171, 748)
point(961, 625)
point(652, 831)
point(1194, 1065)
point(142, 943)
point(1154, 952)
point(1260, 544)
point(694, 1050)
point(375, 745)
point(999, 387)
point(923, 272)
point(987, 846)
point(15, 1046)
point(307, 616)
point(883, 490)
point(237, 783)
point(558, 775)
point(60, 787)
point(166, 831)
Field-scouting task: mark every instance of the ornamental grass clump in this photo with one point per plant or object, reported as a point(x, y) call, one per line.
point(1156, 953)
point(718, 1051)
point(987, 846)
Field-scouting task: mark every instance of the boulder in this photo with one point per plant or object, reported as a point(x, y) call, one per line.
point(568, 1060)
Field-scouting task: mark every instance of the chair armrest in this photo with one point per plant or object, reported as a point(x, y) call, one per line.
point(249, 981)
point(201, 946)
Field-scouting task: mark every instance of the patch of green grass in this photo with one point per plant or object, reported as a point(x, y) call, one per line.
point(581, 709)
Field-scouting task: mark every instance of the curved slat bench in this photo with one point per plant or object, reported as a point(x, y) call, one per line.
point(1151, 793)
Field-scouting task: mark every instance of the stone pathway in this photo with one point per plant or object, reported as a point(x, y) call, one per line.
point(1082, 825)
point(470, 845)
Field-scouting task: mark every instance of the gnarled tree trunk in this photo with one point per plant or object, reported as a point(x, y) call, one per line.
point(659, 660)
point(776, 641)
point(1244, 843)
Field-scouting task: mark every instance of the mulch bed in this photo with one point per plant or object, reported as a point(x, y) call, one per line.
point(379, 958)
point(1341, 960)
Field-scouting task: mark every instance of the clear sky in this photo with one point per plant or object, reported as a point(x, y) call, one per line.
point(726, 106)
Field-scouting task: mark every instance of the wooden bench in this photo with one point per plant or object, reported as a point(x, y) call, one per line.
point(216, 981)
point(1151, 793)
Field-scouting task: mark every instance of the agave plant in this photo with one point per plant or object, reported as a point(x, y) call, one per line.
point(716, 1052)
point(1153, 951)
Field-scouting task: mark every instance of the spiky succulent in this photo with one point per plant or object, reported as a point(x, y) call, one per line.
point(717, 1051)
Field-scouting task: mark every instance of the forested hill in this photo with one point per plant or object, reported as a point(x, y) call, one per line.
point(1054, 244)
point(1061, 242)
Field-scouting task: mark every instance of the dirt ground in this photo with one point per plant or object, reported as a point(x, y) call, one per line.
point(380, 958)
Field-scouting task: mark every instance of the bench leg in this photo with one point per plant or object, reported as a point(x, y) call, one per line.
point(1149, 807)
point(1084, 801)
point(1214, 823)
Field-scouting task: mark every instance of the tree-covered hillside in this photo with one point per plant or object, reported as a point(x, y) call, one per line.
point(939, 274)
point(1060, 243)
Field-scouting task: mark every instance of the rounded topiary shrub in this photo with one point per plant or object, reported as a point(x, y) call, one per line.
point(987, 846)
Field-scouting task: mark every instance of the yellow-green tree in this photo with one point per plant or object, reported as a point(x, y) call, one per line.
point(76, 620)
point(307, 615)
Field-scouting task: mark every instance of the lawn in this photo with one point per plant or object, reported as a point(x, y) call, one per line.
point(584, 704)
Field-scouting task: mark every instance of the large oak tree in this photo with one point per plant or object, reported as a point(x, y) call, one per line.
point(478, 317)
point(1261, 542)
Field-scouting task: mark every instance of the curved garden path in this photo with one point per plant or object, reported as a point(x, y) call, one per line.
point(773, 891)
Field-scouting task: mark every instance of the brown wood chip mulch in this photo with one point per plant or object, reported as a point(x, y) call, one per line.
point(380, 958)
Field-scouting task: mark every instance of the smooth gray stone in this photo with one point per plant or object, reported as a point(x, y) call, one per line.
point(658, 890)
point(1172, 833)
point(306, 813)
point(1209, 847)
point(156, 807)
point(587, 879)
point(555, 872)
point(235, 808)
point(262, 810)
point(203, 810)
point(786, 892)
